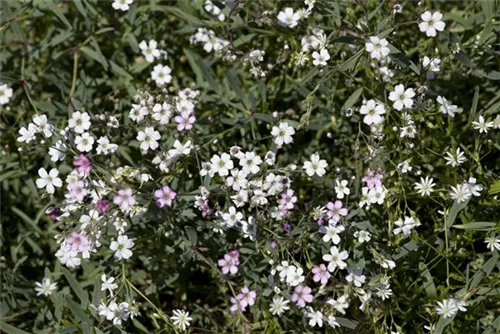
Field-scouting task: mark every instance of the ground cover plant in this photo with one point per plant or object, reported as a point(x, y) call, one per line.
point(250, 166)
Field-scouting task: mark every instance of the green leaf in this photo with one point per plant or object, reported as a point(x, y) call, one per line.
point(430, 287)
point(11, 329)
point(77, 311)
point(352, 99)
point(492, 75)
point(97, 56)
point(192, 235)
point(406, 249)
point(478, 226)
point(452, 215)
point(185, 16)
point(27, 219)
point(350, 63)
point(50, 5)
point(79, 6)
point(347, 322)
point(81, 294)
point(442, 323)
point(494, 188)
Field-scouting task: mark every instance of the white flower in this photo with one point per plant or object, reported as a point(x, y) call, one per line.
point(123, 5)
point(282, 134)
point(356, 277)
point(474, 188)
point(48, 180)
point(377, 47)
point(105, 147)
point(340, 304)
point(315, 166)
point(181, 319)
point(79, 122)
point(232, 217)
point(84, 142)
point(288, 18)
point(492, 242)
point(68, 257)
point(27, 134)
point(332, 321)
point(148, 139)
point(214, 10)
point(138, 112)
point(431, 22)
point(456, 159)
point(342, 189)
point(108, 284)
point(121, 247)
point(222, 164)
point(45, 288)
point(433, 63)
point(332, 233)
point(424, 188)
point(161, 75)
point(58, 151)
point(180, 149)
point(162, 112)
point(295, 276)
point(363, 236)
point(372, 111)
point(446, 107)
point(447, 308)
point(118, 312)
point(482, 125)
point(335, 259)
point(250, 163)
point(5, 94)
point(279, 305)
point(315, 318)
point(321, 57)
point(460, 193)
point(406, 226)
point(402, 98)
point(42, 125)
point(150, 50)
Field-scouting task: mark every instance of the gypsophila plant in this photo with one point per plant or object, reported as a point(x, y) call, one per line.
point(250, 166)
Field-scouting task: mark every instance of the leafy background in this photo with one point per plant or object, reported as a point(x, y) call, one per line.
point(61, 56)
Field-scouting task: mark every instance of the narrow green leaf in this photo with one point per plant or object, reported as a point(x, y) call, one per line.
point(452, 215)
point(52, 6)
point(11, 329)
point(352, 99)
point(479, 226)
point(77, 311)
point(77, 289)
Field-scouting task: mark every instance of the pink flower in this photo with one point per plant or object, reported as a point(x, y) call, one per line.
point(185, 121)
point(248, 295)
point(82, 164)
point(335, 210)
point(228, 265)
point(165, 196)
point(372, 179)
point(238, 304)
point(78, 191)
point(77, 241)
point(321, 274)
point(103, 206)
point(230, 262)
point(124, 199)
point(302, 295)
point(288, 200)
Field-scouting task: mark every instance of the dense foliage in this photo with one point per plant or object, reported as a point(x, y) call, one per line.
point(250, 166)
